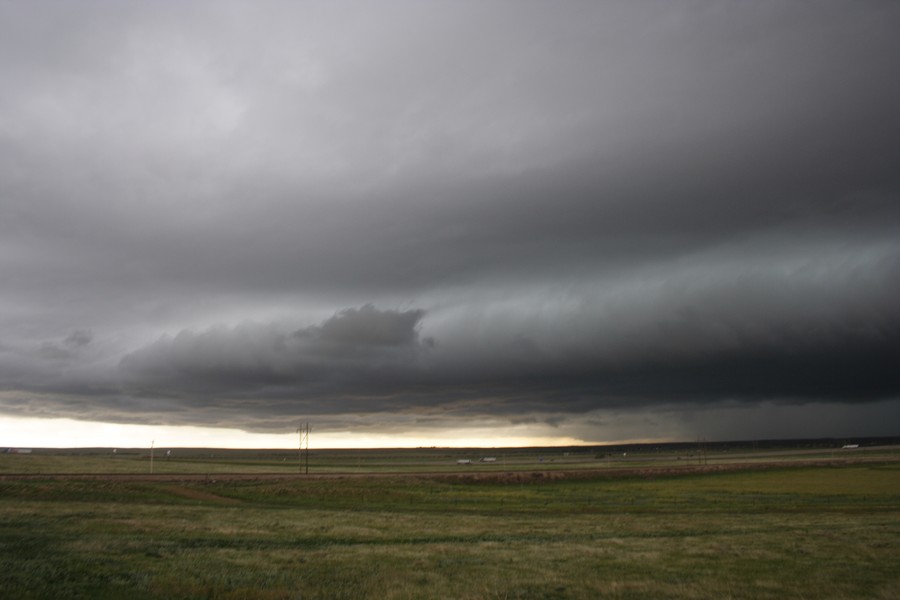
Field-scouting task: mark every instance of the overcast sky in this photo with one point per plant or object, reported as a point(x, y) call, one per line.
point(579, 221)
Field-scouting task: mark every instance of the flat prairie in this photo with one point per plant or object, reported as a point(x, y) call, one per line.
point(822, 528)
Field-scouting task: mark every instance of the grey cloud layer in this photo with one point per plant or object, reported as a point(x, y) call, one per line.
point(799, 332)
point(433, 207)
point(355, 345)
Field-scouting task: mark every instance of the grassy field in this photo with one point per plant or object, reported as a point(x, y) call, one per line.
point(197, 460)
point(792, 532)
point(432, 460)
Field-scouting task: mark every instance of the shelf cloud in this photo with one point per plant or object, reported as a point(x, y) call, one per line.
point(436, 214)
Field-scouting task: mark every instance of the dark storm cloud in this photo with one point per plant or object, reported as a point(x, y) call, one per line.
point(797, 332)
point(355, 345)
point(527, 208)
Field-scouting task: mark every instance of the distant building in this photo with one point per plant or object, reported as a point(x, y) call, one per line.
point(18, 450)
point(489, 459)
point(464, 461)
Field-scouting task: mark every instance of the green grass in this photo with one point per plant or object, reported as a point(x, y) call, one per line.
point(97, 460)
point(434, 460)
point(787, 533)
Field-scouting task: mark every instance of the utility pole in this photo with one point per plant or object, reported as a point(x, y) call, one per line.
point(303, 434)
point(151, 456)
point(300, 449)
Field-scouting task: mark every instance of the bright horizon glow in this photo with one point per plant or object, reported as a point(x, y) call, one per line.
point(30, 432)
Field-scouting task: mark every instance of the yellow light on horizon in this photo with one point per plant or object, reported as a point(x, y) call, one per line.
point(31, 432)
